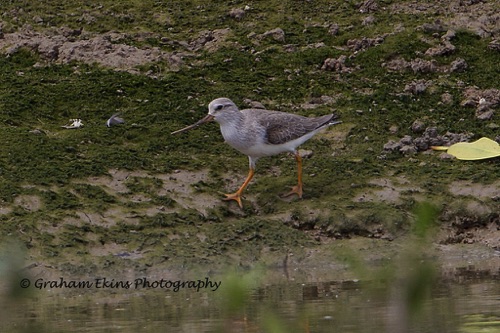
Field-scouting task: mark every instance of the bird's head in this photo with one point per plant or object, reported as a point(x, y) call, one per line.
point(219, 110)
point(220, 106)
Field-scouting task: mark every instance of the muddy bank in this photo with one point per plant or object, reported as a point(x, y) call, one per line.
point(134, 198)
point(156, 222)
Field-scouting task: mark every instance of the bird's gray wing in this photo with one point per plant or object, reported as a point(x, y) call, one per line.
point(282, 127)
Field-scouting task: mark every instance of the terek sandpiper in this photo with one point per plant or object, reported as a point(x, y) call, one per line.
point(258, 133)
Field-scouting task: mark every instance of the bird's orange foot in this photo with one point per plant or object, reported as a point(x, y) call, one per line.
point(234, 196)
point(297, 189)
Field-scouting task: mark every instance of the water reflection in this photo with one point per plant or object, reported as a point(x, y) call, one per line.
point(466, 301)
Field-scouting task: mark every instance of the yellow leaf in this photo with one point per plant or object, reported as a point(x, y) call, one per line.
point(477, 150)
point(441, 148)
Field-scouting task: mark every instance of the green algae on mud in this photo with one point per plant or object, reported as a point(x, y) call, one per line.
point(60, 194)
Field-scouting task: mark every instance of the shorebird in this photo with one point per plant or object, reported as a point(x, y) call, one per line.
point(258, 133)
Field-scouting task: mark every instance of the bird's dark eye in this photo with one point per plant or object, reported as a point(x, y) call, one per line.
point(219, 107)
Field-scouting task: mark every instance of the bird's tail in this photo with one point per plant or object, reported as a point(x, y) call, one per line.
point(333, 120)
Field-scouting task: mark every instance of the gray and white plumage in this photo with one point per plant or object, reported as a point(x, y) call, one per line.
point(114, 120)
point(258, 133)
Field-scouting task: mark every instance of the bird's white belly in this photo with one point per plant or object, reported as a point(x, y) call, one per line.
point(260, 149)
point(255, 146)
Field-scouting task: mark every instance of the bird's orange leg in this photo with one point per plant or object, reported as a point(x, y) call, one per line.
point(298, 188)
point(237, 195)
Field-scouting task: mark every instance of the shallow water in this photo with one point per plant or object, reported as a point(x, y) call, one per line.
point(467, 301)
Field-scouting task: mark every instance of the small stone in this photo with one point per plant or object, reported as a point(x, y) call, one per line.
point(397, 65)
point(437, 26)
point(364, 43)
point(305, 153)
point(408, 150)
point(392, 145)
point(468, 102)
point(447, 98)
point(237, 13)
point(257, 105)
point(487, 115)
point(423, 66)
point(446, 156)
point(335, 65)
point(333, 29)
point(494, 45)
point(393, 129)
point(449, 35)
point(277, 34)
point(431, 132)
point(445, 49)
point(459, 65)
point(417, 87)
point(369, 20)
point(368, 6)
point(418, 126)
point(38, 19)
point(483, 106)
point(406, 140)
point(421, 144)
point(437, 141)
